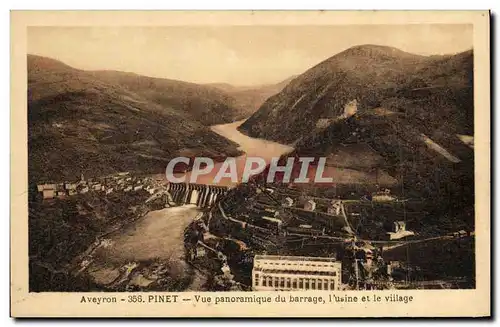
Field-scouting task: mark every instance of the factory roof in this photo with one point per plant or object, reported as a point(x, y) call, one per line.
point(293, 258)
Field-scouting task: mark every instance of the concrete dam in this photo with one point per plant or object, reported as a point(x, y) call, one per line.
point(201, 195)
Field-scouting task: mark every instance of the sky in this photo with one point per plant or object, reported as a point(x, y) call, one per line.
point(238, 55)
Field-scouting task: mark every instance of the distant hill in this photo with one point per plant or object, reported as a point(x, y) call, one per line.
point(250, 98)
point(209, 106)
point(101, 122)
point(226, 87)
point(374, 76)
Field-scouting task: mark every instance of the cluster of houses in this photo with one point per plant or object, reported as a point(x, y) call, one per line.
point(309, 205)
point(380, 196)
point(462, 233)
point(120, 182)
point(307, 217)
point(53, 190)
point(399, 231)
point(335, 208)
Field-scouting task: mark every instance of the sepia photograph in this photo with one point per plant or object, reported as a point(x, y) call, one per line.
point(290, 158)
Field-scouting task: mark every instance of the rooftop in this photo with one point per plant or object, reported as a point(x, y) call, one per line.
point(293, 258)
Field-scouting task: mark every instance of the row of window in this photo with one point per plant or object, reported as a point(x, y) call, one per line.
point(291, 272)
point(294, 283)
point(275, 263)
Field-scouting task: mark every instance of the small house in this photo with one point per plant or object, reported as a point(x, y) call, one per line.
point(383, 196)
point(310, 205)
point(288, 202)
point(334, 207)
point(49, 193)
point(391, 266)
point(350, 108)
point(70, 186)
point(399, 231)
point(46, 186)
point(399, 226)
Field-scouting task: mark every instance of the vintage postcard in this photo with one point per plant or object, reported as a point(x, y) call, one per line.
point(250, 164)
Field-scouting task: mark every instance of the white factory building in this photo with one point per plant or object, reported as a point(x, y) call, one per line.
point(293, 273)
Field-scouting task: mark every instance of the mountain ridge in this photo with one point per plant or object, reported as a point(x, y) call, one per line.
point(80, 123)
point(399, 114)
point(323, 90)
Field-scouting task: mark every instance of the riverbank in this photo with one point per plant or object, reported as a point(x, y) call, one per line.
point(148, 255)
point(253, 147)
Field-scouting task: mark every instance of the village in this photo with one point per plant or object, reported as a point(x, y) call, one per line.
point(273, 221)
point(119, 182)
point(277, 239)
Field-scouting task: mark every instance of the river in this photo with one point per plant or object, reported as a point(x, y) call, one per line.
point(158, 236)
point(153, 244)
point(265, 149)
point(253, 147)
